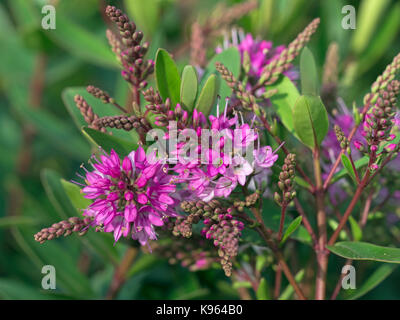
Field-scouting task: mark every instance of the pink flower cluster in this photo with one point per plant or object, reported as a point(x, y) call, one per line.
point(221, 172)
point(131, 197)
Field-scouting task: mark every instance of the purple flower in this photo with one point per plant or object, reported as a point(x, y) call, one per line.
point(129, 198)
point(260, 52)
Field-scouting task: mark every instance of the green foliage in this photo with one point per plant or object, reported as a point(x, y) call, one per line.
point(291, 228)
point(308, 73)
point(207, 96)
point(284, 100)
point(167, 76)
point(189, 87)
point(365, 251)
point(310, 120)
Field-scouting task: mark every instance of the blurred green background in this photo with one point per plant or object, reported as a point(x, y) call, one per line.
point(39, 141)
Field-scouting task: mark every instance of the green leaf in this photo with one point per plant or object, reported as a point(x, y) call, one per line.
point(381, 41)
point(6, 222)
point(100, 243)
point(368, 17)
point(55, 131)
point(167, 76)
point(51, 181)
point(310, 120)
point(365, 251)
point(75, 195)
point(82, 43)
point(241, 284)
point(144, 13)
point(231, 60)
point(189, 87)
point(355, 229)
point(287, 293)
point(206, 100)
point(292, 228)
point(301, 182)
point(348, 167)
point(262, 291)
point(283, 101)
point(374, 280)
point(16, 290)
point(308, 73)
point(107, 142)
point(358, 164)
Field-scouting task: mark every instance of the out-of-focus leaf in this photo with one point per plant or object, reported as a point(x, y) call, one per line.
point(369, 13)
point(287, 293)
point(189, 87)
point(98, 242)
point(207, 96)
point(107, 142)
point(52, 184)
point(231, 60)
point(374, 280)
point(310, 120)
point(380, 43)
point(283, 101)
point(57, 132)
point(145, 14)
point(16, 290)
point(365, 251)
point(167, 76)
point(355, 229)
point(144, 262)
point(6, 222)
point(308, 73)
point(263, 291)
point(292, 228)
point(81, 43)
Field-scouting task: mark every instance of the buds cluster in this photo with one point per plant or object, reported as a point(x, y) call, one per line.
point(286, 181)
point(130, 51)
point(64, 228)
point(194, 254)
point(219, 225)
point(382, 81)
point(127, 123)
point(250, 201)
point(277, 66)
point(164, 110)
point(341, 137)
point(379, 120)
point(87, 113)
point(99, 94)
point(247, 99)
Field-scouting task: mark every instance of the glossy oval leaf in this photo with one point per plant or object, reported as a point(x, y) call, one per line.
point(308, 73)
point(310, 120)
point(208, 95)
point(167, 77)
point(189, 87)
point(365, 251)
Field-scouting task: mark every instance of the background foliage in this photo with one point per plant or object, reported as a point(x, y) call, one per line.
point(40, 143)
